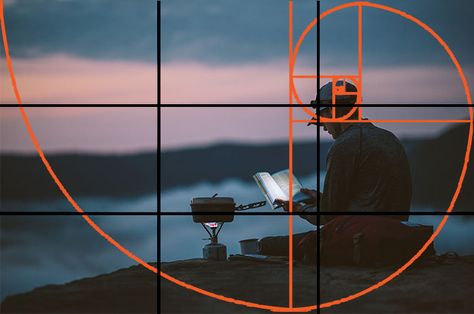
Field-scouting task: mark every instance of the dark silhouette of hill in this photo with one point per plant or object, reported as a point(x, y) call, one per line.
point(25, 177)
point(216, 163)
point(436, 167)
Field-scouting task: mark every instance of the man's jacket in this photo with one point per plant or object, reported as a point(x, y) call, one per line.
point(367, 171)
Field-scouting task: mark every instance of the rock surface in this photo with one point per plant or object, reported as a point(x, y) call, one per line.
point(438, 287)
point(129, 290)
point(446, 286)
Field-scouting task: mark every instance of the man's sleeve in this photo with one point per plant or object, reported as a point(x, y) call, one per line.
point(338, 184)
point(340, 180)
point(310, 208)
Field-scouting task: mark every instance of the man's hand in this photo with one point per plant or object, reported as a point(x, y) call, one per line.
point(313, 194)
point(286, 205)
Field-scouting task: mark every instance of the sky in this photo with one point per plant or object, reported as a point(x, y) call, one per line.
point(233, 51)
point(216, 52)
point(81, 51)
point(191, 127)
point(80, 130)
point(236, 52)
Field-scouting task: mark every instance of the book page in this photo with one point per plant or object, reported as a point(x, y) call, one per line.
point(269, 187)
point(258, 180)
point(282, 178)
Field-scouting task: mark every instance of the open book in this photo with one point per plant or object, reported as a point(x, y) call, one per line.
point(277, 186)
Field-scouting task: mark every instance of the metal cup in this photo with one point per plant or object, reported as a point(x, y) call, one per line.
point(249, 246)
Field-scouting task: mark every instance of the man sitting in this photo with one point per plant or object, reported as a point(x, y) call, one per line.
point(367, 171)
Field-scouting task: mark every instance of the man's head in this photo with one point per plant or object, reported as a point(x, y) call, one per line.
point(344, 104)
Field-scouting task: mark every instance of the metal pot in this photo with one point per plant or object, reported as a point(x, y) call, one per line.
point(209, 209)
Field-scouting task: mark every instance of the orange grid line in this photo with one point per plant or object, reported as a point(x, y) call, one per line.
point(303, 76)
point(290, 217)
point(290, 48)
point(359, 53)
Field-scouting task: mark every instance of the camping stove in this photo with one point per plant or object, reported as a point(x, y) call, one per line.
point(214, 251)
point(212, 213)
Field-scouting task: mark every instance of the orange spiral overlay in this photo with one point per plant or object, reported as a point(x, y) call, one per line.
point(294, 53)
point(197, 289)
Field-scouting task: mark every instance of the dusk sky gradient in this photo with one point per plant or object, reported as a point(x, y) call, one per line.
point(236, 52)
point(218, 52)
point(81, 52)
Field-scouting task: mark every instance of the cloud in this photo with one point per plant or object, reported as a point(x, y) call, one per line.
point(255, 31)
point(193, 82)
point(105, 29)
point(9, 3)
point(65, 79)
point(99, 130)
point(267, 83)
point(222, 124)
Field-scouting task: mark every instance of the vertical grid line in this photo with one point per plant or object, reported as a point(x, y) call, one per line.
point(359, 59)
point(290, 50)
point(290, 156)
point(158, 142)
point(158, 52)
point(318, 150)
point(318, 55)
point(290, 217)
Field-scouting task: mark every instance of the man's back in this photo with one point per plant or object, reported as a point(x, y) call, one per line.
point(368, 171)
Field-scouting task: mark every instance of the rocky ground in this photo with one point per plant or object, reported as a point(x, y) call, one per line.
point(128, 290)
point(446, 286)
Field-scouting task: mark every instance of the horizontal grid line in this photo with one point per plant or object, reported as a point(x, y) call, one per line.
point(393, 105)
point(59, 213)
point(417, 213)
point(178, 213)
point(82, 106)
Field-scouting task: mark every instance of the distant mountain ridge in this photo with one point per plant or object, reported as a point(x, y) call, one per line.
point(435, 163)
point(216, 163)
point(25, 177)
